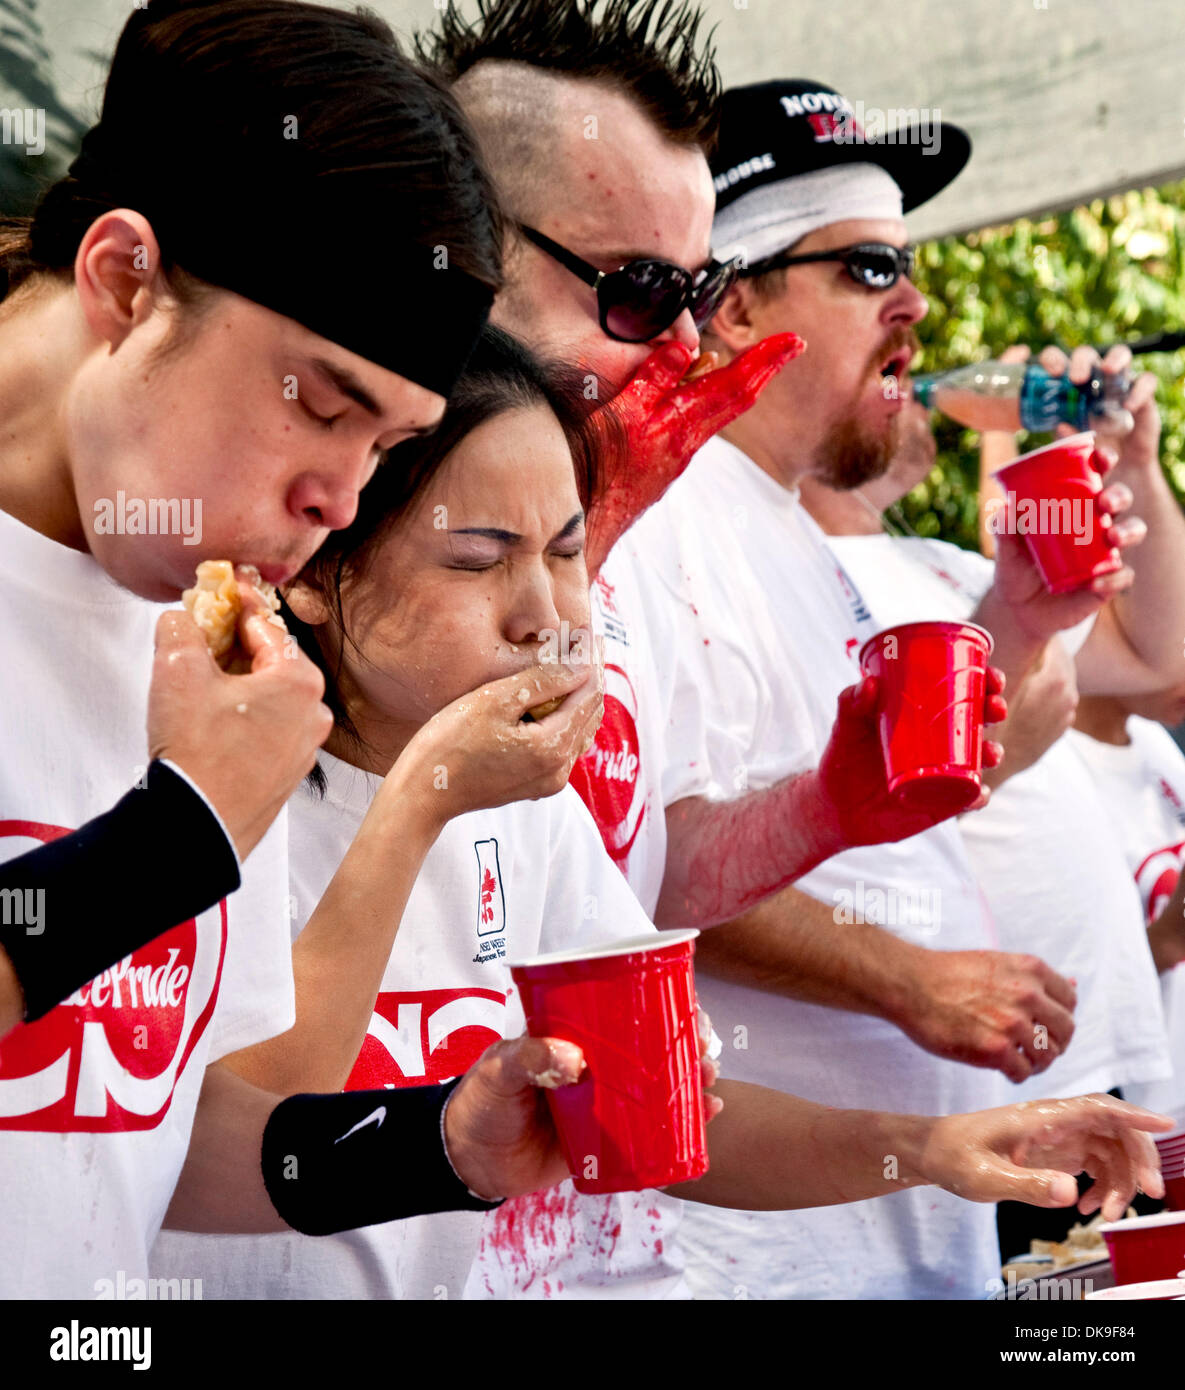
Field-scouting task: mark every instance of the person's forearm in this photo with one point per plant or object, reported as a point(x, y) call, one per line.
point(258, 1162)
point(221, 1189)
point(339, 958)
point(769, 1151)
point(1152, 612)
point(793, 945)
point(996, 448)
point(1027, 733)
point(162, 837)
point(1014, 650)
point(723, 857)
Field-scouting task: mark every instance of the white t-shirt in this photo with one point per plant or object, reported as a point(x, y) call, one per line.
point(619, 779)
point(768, 630)
point(1142, 784)
point(1044, 848)
point(498, 885)
point(97, 1098)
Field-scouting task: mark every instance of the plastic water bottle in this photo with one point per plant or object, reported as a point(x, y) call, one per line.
point(1022, 396)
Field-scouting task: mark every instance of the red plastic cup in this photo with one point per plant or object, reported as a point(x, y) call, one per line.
point(1171, 1149)
point(1056, 494)
point(1146, 1247)
point(930, 711)
point(635, 1119)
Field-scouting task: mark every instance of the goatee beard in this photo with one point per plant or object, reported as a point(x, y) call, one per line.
point(851, 455)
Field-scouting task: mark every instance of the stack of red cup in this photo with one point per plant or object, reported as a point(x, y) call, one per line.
point(1171, 1148)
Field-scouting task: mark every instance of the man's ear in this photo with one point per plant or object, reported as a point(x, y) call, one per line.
point(307, 603)
point(117, 273)
point(734, 322)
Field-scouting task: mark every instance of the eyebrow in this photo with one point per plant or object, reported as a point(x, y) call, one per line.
point(495, 533)
point(349, 385)
point(620, 258)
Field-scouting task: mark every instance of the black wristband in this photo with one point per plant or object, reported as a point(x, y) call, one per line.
point(334, 1163)
point(158, 857)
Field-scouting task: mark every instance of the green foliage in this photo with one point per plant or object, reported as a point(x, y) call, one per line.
point(1108, 272)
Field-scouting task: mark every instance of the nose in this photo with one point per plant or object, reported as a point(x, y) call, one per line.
point(533, 612)
point(325, 498)
point(683, 330)
point(905, 304)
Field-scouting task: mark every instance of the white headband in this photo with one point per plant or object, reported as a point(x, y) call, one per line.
point(768, 219)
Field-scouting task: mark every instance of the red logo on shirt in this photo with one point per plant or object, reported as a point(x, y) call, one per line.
point(108, 1058)
point(416, 1039)
point(1170, 796)
point(1157, 876)
point(605, 590)
point(491, 903)
point(607, 776)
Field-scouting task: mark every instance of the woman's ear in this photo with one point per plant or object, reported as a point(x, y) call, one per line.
point(307, 603)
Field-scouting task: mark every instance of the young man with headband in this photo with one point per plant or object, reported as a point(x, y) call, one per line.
point(167, 336)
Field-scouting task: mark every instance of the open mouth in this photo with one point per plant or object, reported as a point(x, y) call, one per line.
point(897, 365)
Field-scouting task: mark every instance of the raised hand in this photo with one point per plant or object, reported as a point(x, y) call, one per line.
point(491, 755)
point(1033, 1152)
point(851, 782)
point(246, 740)
point(652, 428)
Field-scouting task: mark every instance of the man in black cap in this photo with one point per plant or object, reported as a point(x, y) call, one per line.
point(772, 622)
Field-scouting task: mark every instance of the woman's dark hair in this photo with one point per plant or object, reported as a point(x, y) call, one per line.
point(212, 101)
point(501, 375)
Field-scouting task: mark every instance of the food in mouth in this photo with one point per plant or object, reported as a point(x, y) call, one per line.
point(546, 708)
point(215, 603)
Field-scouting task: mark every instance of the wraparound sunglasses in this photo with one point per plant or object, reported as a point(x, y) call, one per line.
point(643, 298)
point(877, 265)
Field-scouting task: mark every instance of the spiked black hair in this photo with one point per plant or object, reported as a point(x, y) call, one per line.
point(648, 48)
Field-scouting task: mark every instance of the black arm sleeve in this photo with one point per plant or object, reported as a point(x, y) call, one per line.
point(81, 903)
point(334, 1163)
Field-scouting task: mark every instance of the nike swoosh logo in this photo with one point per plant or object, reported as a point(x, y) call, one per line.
point(378, 1115)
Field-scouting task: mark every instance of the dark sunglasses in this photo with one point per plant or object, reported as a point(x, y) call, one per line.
point(876, 265)
point(643, 298)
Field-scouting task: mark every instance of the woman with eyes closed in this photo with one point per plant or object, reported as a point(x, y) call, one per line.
point(429, 616)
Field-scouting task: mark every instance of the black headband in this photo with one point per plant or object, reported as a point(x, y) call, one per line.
point(356, 281)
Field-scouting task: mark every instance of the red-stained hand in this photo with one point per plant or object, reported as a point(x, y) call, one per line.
point(851, 772)
point(649, 432)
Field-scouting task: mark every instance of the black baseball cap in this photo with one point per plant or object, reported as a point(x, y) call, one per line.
point(770, 131)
